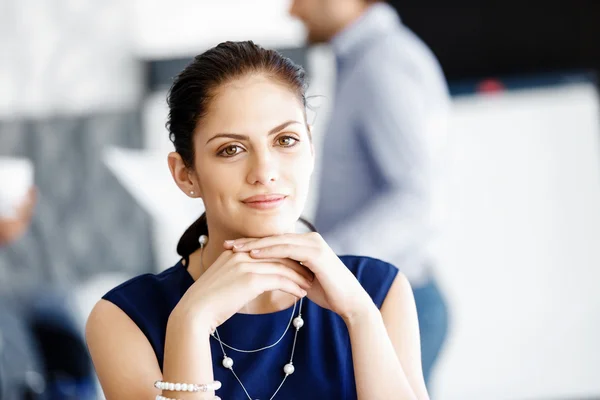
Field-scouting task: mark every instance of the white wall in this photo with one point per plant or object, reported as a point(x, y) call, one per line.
point(74, 57)
point(66, 57)
point(188, 27)
point(523, 247)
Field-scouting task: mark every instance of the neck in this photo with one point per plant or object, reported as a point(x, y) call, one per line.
point(267, 302)
point(352, 15)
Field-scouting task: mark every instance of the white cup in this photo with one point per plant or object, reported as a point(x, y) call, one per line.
point(16, 178)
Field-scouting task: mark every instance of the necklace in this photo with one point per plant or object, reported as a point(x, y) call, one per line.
point(288, 368)
point(262, 348)
point(203, 240)
point(227, 362)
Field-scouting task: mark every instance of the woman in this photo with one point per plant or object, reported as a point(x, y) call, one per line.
point(266, 312)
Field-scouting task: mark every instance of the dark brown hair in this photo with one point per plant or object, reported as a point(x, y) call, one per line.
point(194, 88)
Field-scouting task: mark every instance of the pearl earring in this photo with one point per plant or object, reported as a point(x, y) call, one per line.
point(192, 192)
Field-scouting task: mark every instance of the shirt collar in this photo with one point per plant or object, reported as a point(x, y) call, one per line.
point(379, 19)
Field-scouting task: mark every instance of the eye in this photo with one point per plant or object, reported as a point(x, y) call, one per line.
point(230, 151)
point(287, 141)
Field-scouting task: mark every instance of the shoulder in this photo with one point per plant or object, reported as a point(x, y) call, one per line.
point(146, 283)
point(388, 81)
point(400, 59)
point(121, 351)
point(365, 267)
point(375, 276)
point(148, 294)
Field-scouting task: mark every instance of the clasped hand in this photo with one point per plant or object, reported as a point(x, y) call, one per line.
point(334, 286)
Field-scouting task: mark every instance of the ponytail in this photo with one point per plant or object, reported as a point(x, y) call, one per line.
point(310, 226)
point(189, 240)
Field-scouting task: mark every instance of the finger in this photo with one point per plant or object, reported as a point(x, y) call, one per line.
point(290, 238)
point(302, 254)
point(229, 244)
point(276, 268)
point(222, 260)
point(293, 264)
point(267, 283)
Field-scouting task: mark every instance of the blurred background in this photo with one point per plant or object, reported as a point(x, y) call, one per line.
point(82, 113)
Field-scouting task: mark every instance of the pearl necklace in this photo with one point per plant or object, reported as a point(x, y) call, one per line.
point(288, 369)
point(262, 348)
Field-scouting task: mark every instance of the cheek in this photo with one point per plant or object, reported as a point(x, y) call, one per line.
point(219, 183)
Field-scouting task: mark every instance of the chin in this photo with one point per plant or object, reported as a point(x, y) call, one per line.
point(267, 226)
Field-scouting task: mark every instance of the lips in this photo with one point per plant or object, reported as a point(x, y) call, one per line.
point(265, 202)
point(264, 198)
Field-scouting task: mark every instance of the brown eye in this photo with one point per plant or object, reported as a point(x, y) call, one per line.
point(230, 151)
point(287, 141)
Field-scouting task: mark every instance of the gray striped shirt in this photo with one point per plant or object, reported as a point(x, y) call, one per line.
point(380, 150)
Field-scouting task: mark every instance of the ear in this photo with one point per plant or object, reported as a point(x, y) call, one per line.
point(183, 177)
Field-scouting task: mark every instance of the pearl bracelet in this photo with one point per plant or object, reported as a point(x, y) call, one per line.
point(187, 387)
point(159, 397)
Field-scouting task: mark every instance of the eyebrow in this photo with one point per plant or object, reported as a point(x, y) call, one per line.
point(237, 136)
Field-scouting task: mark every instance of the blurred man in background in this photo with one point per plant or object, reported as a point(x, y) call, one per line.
point(46, 358)
point(380, 150)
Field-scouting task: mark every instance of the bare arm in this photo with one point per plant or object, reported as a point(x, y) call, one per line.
point(125, 361)
point(386, 348)
point(187, 353)
point(385, 344)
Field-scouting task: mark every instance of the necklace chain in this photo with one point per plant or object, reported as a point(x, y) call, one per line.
point(285, 376)
point(262, 348)
point(215, 335)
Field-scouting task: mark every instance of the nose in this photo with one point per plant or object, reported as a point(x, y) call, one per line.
point(263, 168)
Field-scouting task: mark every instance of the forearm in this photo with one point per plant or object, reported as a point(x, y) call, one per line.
point(378, 372)
point(188, 356)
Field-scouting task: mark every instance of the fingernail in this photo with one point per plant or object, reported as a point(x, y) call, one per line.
point(303, 292)
point(238, 246)
point(255, 251)
point(229, 242)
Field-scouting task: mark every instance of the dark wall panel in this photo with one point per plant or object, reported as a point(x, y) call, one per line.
point(509, 37)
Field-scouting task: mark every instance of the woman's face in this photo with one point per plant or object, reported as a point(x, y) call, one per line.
point(254, 158)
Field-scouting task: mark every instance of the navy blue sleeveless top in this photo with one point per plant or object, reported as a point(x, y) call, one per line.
point(322, 359)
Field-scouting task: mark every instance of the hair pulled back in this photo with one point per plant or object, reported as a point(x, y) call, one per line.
point(196, 86)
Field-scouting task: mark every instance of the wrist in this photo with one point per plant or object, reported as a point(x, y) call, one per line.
point(365, 314)
point(194, 320)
